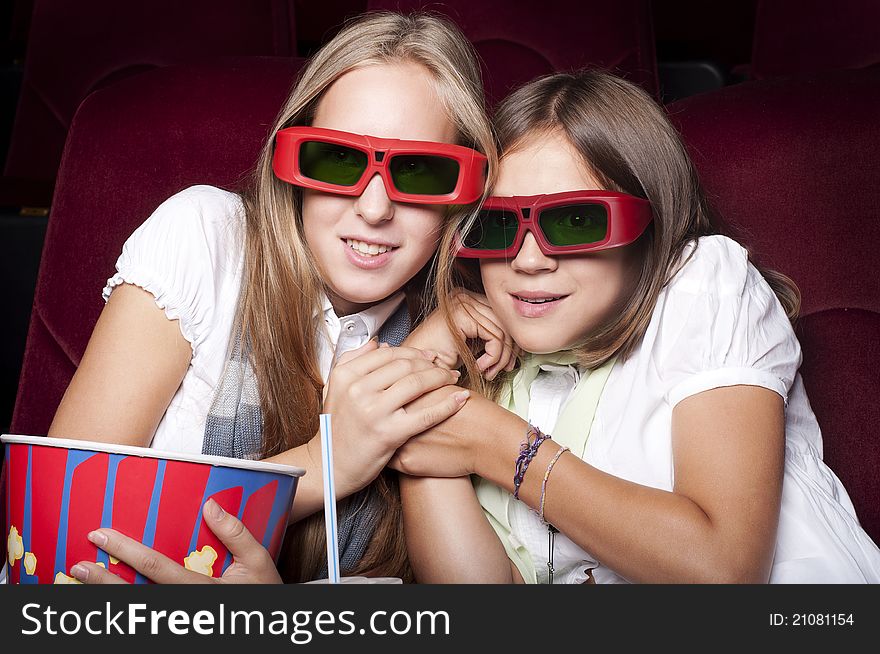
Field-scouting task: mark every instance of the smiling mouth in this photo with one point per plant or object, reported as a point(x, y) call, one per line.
point(542, 300)
point(368, 249)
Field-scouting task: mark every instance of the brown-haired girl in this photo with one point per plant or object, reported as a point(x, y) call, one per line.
point(660, 359)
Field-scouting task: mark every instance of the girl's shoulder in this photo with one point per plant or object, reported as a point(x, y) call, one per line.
point(715, 265)
point(198, 212)
point(188, 254)
point(199, 227)
point(718, 323)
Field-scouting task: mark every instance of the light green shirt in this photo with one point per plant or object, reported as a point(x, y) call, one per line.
point(572, 430)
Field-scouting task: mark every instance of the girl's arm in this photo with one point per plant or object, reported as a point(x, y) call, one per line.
point(448, 537)
point(133, 365)
point(718, 524)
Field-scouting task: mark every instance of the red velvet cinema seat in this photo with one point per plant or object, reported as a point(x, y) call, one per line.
point(77, 47)
point(792, 164)
point(132, 145)
point(518, 41)
point(806, 36)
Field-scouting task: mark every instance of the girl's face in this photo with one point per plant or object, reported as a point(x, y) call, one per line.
point(549, 303)
point(368, 247)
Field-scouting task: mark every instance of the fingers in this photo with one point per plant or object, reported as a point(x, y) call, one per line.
point(417, 421)
point(87, 572)
point(415, 385)
point(392, 372)
point(447, 360)
point(476, 319)
point(378, 357)
point(245, 549)
point(150, 563)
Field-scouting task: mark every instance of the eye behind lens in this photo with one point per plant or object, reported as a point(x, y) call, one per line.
point(493, 230)
point(332, 163)
point(576, 224)
point(419, 174)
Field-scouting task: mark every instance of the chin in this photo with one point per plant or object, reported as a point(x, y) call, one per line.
point(547, 338)
point(537, 344)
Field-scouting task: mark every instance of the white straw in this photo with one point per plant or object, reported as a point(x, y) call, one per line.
point(329, 500)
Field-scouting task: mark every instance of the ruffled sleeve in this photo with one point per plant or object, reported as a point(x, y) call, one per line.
point(720, 324)
point(183, 254)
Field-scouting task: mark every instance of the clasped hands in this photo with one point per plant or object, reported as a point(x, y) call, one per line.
point(395, 406)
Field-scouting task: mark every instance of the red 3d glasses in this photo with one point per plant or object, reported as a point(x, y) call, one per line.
point(573, 222)
point(421, 172)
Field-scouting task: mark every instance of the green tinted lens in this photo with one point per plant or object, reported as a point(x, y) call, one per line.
point(331, 164)
point(574, 224)
point(493, 230)
point(421, 174)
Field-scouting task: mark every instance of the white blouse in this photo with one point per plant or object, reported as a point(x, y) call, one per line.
point(717, 323)
point(189, 254)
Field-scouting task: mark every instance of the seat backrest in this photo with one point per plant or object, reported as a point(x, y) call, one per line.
point(840, 372)
point(132, 145)
point(797, 36)
point(77, 47)
point(518, 41)
point(791, 165)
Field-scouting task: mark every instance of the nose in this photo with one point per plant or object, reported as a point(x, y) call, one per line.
point(530, 260)
point(373, 204)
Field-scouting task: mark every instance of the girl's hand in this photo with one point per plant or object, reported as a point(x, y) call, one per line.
point(461, 444)
point(473, 319)
point(251, 562)
point(369, 395)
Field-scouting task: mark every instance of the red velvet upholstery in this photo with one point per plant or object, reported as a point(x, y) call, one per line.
point(131, 146)
point(841, 369)
point(519, 41)
point(804, 36)
point(792, 163)
point(77, 47)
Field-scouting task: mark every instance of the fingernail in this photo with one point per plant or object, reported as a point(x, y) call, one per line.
point(79, 572)
point(384, 344)
point(98, 538)
point(215, 510)
point(457, 373)
point(462, 396)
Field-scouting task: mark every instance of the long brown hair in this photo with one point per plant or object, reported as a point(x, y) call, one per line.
point(279, 308)
point(629, 145)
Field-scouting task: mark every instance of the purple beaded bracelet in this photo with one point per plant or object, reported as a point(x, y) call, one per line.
point(527, 452)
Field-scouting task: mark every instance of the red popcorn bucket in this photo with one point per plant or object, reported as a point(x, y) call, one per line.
point(56, 491)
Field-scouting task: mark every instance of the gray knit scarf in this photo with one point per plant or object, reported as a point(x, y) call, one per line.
point(234, 428)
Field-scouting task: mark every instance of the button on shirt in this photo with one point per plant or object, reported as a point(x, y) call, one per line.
point(351, 332)
point(548, 396)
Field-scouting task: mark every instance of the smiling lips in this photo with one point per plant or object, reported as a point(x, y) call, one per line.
point(535, 304)
point(368, 249)
point(367, 255)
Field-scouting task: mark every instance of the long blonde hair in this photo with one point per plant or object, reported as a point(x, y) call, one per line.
point(627, 142)
point(279, 308)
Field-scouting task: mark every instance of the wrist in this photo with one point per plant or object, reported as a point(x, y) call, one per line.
point(420, 337)
point(494, 455)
